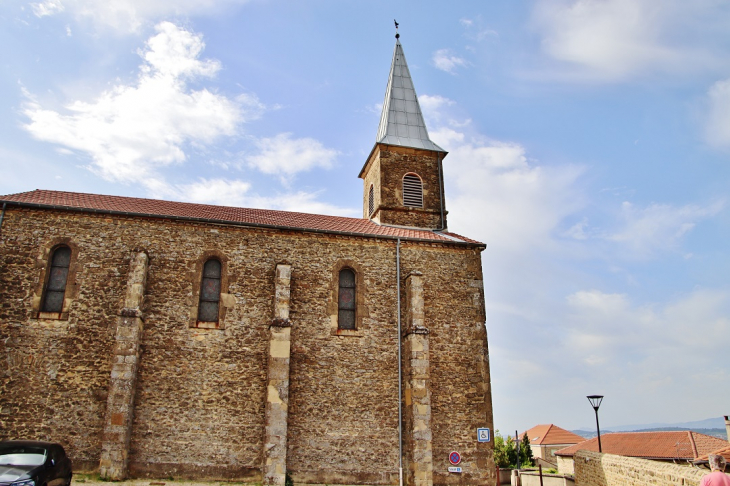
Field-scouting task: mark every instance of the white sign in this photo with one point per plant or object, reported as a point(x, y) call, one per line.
point(454, 469)
point(483, 435)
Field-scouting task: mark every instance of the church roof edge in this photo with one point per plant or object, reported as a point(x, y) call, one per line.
point(267, 218)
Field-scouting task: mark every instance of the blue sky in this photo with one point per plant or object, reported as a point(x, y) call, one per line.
point(588, 140)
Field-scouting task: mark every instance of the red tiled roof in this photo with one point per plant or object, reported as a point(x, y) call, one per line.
point(650, 445)
point(224, 214)
point(550, 434)
point(724, 452)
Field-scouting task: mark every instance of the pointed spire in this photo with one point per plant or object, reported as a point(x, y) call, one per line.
point(401, 122)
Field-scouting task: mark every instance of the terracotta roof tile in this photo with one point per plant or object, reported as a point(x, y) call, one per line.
point(650, 445)
point(550, 434)
point(225, 214)
point(724, 452)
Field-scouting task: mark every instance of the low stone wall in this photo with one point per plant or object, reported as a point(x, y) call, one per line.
point(594, 469)
point(533, 479)
point(505, 476)
point(565, 465)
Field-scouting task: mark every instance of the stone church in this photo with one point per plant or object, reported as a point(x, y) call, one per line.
point(158, 339)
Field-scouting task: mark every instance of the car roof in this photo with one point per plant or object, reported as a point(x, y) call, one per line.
point(28, 443)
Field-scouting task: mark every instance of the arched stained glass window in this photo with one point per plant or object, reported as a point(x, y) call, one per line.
point(210, 291)
point(412, 191)
point(347, 300)
point(57, 277)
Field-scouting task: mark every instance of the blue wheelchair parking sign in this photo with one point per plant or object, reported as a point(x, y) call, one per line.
point(483, 435)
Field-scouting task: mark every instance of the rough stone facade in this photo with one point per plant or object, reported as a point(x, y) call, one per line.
point(124, 381)
point(595, 469)
point(385, 170)
point(566, 465)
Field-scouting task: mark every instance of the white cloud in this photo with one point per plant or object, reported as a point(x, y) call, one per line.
point(433, 107)
point(718, 117)
point(284, 156)
point(237, 193)
point(434, 103)
point(476, 31)
point(607, 326)
point(132, 130)
point(534, 217)
point(49, 7)
point(503, 197)
point(444, 60)
point(130, 15)
point(657, 228)
point(174, 53)
point(635, 232)
point(615, 39)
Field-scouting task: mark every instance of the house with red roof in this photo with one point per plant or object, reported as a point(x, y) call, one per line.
point(159, 339)
point(547, 438)
point(669, 446)
point(704, 459)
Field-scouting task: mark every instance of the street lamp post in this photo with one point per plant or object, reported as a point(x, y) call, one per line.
point(595, 403)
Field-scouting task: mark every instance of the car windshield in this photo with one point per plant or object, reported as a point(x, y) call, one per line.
point(22, 456)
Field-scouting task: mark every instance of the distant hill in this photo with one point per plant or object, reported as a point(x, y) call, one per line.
point(719, 433)
point(711, 426)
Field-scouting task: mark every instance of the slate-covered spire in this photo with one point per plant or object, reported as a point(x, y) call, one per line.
point(401, 122)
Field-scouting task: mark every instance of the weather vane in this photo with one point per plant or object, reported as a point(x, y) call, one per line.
point(397, 35)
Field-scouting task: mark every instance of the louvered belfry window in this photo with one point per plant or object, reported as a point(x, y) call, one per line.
point(57, 277)
point(412, 191)
point(346, 301)
point(210, 291)
point(371, 201)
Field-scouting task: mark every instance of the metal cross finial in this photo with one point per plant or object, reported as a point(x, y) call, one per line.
point(397, 35)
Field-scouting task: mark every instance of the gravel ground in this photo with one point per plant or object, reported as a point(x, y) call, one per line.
point(84, 480)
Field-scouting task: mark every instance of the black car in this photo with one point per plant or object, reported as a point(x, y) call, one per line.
point(33, 463)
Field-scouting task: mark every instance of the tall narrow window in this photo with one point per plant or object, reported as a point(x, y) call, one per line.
point(210, 291)
point(412, 191)
point(371, 201)
point(57, 277)
point(346, 302)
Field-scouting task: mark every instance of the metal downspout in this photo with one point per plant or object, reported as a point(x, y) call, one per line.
point(400, 371)
point(2, 216)
point(441, 192)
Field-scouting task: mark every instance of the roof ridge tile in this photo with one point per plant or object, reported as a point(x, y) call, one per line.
point(225, 214)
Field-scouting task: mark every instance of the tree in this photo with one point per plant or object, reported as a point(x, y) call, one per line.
point(505, 453)
point(526, 458)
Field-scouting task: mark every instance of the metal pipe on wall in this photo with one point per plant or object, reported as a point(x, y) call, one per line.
point(400, 370)
point(441, 192)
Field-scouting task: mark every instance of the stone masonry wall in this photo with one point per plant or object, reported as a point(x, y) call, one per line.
point(565, 465)
point(594, 469)
point(372, 177)
point(199, 406)
point(123, 380)
point(386, 171)
point(459, 377)
point(54, 374)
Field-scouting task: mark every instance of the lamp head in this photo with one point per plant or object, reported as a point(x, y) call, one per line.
point(595, 401)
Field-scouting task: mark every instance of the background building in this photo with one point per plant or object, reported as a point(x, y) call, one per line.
point(684, 447)
point(545, 439)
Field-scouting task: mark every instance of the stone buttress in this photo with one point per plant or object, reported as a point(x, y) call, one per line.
point(277, 396)
point(122, 384)
point(418, 453)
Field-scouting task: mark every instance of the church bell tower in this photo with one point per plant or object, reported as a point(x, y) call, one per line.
point(403, 176)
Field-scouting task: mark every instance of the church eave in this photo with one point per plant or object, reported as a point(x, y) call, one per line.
point(448, 241)
point(381, 144)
